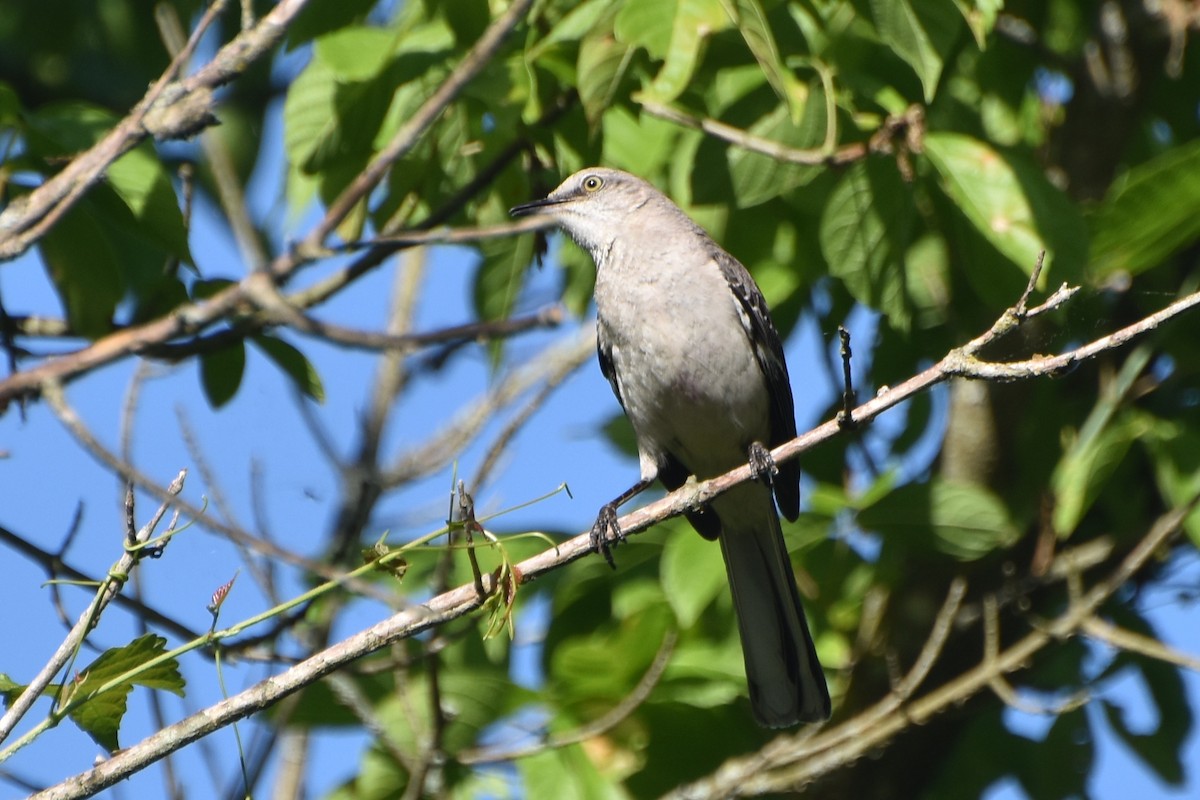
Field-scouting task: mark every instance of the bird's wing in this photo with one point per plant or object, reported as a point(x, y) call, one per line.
point(768, 350)
point(607, 368)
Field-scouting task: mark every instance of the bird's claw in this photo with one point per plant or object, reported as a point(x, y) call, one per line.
point(762, 464)
point(606, 533)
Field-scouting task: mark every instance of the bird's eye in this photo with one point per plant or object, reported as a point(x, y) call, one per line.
point(592, 183)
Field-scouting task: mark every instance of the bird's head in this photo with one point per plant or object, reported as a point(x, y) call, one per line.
point(594, 205)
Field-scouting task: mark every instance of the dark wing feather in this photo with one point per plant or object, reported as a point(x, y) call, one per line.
point(607, 368)
point(768, 349)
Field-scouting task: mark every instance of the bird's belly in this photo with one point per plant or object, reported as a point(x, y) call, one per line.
point(701, 400)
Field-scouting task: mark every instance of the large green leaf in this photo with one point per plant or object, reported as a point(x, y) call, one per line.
point(757, 178)
point(355, 53)
point(567, 773)
point(921, 33)
point(85, 268)
point(500, 276)
point(138, 177)
point(1011, 203)
point(694, 22)
point(693, 574)
point(751, 21)
point(100, 715)
point(865, 232)
point(647, 24)
point(1150, 213)
point(962, 520)
point(601, 65)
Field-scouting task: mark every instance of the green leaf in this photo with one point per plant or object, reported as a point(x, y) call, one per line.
point(1105, 438)
point(501, 274)
point(1175, 451)
point(751, 21)
point(138, 177)
point(865, 230)
point(602, 667)
point(600, 67)
point(641, 145)
point(1149, 213)
point(10, 107)
point(309, 114)
point(577, 23)
point(647, 24)
point(315, 19)
point(355, 53)
point(965, 521)
point(566, 773)
point(981, 17)
point(221, 373)
point(100, 716)
point(294, 364)
point(1010, 202)
point(85, 269)
point(692, 574)
point(694, 22)
point(920, 34)
point(758, 178)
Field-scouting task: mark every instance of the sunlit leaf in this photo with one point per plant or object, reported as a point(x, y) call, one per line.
point(920, 33)
point(1149, 213)
point(693, 574)
point(1011, 204)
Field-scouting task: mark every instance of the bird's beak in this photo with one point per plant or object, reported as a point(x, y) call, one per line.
point(535, 207)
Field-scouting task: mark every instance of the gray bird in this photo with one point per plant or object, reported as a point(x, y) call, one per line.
point(687, 343)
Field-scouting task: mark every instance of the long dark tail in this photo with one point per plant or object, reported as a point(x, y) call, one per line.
point(787, 685)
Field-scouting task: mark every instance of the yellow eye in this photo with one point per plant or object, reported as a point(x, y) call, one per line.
point(592, 183)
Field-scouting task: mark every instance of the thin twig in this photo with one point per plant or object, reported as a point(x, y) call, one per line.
point(130, 557)
point(1134, 642)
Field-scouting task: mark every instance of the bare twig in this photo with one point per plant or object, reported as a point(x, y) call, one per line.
point(1138, 643)
point(882, 141)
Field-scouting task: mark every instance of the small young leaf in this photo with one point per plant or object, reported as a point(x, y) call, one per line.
point(294, 364)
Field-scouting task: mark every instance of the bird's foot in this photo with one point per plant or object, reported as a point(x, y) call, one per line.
point(762, 465)
point(606, 533)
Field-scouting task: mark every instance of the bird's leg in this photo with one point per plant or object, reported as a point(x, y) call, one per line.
point(762, 465)
point(606, 532)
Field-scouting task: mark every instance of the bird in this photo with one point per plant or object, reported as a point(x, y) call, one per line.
point(685, 339)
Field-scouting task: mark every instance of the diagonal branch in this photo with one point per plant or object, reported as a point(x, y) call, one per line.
point(169, 109)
